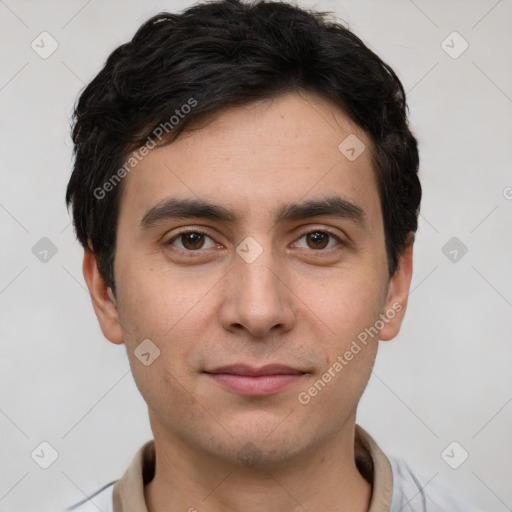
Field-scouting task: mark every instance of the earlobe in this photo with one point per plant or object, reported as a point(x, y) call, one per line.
point(102, 298)
point(398, 293)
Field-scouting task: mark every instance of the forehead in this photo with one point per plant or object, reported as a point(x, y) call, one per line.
point(256, 158)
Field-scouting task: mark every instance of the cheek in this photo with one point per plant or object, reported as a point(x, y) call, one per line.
point(351, 307)
point(174, 314)
point(348, 353)
point(355, 342)
point(338, 390)
point(349, 302)
point(155, 302)
point(175, 326)
point(166, 391)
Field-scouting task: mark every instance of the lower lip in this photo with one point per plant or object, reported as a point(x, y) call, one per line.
point(255, 385)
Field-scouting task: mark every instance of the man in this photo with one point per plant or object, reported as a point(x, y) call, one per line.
point(245, 188)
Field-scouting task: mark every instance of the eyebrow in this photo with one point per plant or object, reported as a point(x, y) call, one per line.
point(174, 208)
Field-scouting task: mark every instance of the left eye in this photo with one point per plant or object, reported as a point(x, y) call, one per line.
point(318, 240)
point(192, 240)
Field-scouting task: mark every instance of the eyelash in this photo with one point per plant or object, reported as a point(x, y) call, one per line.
point(198, 232)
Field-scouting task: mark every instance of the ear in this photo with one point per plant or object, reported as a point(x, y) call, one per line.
point(398, 293)
point(103, 300)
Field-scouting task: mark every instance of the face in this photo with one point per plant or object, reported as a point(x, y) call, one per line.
point(253, 241)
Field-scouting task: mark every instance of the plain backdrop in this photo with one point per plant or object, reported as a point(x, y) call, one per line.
point(447, 376)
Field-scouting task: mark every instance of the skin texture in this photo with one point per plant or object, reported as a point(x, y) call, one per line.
point(302, 302)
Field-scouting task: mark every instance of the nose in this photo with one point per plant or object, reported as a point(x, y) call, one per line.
point(257, 297)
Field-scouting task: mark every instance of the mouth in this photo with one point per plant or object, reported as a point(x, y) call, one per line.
point(253, 381)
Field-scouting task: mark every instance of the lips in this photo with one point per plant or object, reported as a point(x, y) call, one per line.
point(269, 369)
point(255, 381)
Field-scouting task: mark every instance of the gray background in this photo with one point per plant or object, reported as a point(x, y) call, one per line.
point(445, 378)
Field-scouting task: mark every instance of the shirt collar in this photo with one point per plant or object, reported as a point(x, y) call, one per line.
point(370, 460)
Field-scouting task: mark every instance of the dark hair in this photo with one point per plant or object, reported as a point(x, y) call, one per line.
point(222, 54)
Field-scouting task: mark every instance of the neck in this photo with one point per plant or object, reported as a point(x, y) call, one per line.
point(325, 477)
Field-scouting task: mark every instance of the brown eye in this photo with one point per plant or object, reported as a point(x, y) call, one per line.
point(317, 240)
point(191, 241)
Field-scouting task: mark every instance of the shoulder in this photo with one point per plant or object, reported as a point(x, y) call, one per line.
point(100, 500)
point(415, 493)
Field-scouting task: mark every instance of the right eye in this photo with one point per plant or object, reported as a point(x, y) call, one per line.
point(191, 241)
